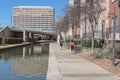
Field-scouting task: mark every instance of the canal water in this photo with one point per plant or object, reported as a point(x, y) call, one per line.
point(24, 63)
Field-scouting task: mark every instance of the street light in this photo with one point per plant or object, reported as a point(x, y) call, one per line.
point(114, 34)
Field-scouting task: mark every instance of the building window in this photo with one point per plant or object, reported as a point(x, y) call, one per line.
point(112, 26)
point(103, 28)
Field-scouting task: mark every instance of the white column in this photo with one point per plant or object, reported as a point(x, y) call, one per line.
point(24, 36)
point(30, 35)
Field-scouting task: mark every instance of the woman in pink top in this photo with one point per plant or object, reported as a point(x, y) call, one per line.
point(72, 44)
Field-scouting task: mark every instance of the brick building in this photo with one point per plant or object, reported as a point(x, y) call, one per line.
point(114, 19)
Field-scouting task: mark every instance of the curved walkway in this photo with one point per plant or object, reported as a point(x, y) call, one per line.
point(66, 66)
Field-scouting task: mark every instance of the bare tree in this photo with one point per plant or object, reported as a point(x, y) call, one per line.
point(62, 24)
point(86, 10)
point(75, 16)
point(83, 10)
point(92, 10)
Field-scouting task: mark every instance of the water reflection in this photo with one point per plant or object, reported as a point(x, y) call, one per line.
point(24, 63)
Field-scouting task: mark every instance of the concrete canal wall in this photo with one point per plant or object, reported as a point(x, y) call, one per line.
point(53, 70)
point(7, 46)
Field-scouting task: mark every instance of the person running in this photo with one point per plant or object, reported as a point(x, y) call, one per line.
point(72, 44)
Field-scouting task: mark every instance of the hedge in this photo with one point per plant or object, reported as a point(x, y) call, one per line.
point(77, 41)
point(5, 40)
point(14, 40)
point(0, 40)
point(88, 43)
point(98, 44)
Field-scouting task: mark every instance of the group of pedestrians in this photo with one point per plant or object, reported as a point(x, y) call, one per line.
point(71, 43)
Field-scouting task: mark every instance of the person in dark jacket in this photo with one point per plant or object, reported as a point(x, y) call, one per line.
point(61, 42)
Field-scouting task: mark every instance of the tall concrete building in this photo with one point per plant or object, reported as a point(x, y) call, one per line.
point(71, 2)
point(37, 18)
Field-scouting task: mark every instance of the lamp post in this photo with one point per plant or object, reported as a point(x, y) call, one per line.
point(113, 36)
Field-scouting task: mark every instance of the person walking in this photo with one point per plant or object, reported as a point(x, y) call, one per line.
point(72, 44)
point(61, 42)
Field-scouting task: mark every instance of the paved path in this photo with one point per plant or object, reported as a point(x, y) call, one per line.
point(66, 66)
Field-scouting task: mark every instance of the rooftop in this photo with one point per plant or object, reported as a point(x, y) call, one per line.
point(33, 7)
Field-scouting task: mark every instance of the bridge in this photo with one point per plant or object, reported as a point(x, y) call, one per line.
point(27, 35)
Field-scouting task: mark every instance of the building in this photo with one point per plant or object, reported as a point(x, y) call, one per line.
point(103, 22)
point(79, 25)
point(114, 19)
point(71, 2)
point(37, 18)
point(109, 18)
point(70, 33)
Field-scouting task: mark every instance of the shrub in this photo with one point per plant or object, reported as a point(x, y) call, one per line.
point(77, 41)
point(106, 53)
point(4, 40)
point(117, 50)
point(108, 50)
point(14, 40)
point(66, 45)
point(98, 44)
point(0, 40)
point(87, 43)
point(98, 56)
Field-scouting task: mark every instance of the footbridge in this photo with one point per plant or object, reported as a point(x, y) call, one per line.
point(27, 35)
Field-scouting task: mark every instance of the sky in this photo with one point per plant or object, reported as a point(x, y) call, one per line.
point(6, 7)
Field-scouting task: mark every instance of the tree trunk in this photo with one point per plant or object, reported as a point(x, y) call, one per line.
point(92, 42)
point(85, 34)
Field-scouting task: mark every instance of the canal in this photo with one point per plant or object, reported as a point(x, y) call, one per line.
point(24, 63)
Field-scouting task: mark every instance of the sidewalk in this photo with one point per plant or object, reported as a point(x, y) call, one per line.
point(66, 66)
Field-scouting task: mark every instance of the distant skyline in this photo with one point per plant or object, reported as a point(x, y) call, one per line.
point(6, 7)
